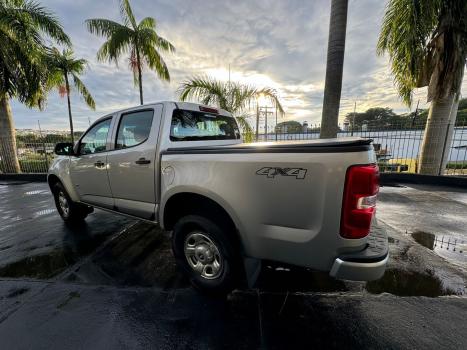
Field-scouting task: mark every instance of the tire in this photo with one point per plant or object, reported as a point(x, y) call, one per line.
point(206, 254)
point(71, 212)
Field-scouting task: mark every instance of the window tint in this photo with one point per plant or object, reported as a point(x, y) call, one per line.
point(190, 125)
point(96, 138)
point(134, 128)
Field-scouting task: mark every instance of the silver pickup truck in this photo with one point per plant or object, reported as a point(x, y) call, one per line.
point(229, 204)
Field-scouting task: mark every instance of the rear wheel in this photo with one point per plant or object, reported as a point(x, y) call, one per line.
point(70, 212)
point(206, 253)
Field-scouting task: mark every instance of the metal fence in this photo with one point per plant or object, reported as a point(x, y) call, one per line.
point(34, 151)
point(397, 146)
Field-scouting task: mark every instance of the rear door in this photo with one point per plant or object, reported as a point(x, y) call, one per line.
point(133, 170)
point(88, 169)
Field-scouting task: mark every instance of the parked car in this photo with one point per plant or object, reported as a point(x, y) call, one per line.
point(229, 204)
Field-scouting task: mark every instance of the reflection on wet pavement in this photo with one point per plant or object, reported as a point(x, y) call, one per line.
point(453, 248)
point(411, 283)
point(141, 256)
point(274, 278)
point(35, 242)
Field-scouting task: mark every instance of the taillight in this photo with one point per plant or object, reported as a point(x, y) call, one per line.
point(359, 202)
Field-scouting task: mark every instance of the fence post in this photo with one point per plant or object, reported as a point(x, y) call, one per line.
point(45, 153)
point(440, 171)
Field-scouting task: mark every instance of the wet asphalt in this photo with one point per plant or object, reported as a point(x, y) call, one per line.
point(112, 283)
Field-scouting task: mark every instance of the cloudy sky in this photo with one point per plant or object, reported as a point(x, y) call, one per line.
point(280, 44)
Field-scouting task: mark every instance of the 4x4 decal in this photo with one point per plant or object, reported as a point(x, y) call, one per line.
point(271, 172)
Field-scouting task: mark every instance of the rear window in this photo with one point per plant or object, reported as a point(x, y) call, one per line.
point(192, 126)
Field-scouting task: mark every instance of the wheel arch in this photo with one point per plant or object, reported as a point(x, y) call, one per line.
point(184, 202)
point(53, 179)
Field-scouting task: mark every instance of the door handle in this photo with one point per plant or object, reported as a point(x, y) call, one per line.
point(99, 164)
point(143, 161)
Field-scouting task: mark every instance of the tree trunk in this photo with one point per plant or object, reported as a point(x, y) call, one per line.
point(140, 77)
point(8, 155)
point(450, 132)
point(334, 68)
point(435, 137)
point(67, 86)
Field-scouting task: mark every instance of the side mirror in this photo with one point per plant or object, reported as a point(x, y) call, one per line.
point(64, 149)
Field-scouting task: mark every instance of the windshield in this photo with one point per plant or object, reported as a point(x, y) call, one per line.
point(190, 125)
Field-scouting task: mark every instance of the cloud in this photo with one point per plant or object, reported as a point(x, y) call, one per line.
point(281, 44)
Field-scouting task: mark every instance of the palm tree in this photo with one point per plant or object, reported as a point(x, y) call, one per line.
point(139, 39)
point(427, 46)
point(233, 97)
point(334, 68)
point(23, 74)
point(64, 65)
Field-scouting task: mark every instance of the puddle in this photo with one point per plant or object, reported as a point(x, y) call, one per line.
point(31, 193)
point(275, 278)
point(13, 183)
point(45, 266)
point(141, 256)
point(16, 292)
point(412, 283)
point(450, 247)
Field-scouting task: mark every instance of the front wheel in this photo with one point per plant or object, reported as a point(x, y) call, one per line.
point(70, 212)
point(206, 253)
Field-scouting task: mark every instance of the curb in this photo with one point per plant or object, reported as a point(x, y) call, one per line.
point(24, 177)
point(400, 178)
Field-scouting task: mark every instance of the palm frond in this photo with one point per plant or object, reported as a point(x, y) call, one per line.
point(231, 96)
point(84, 92)
point(405, 31)
point(155, 62)
point(147, 23)
point(244, 124)
point(103, 27)
point(206, 90)
point(149, 37)
point(41, 18)
point(127, 13)
point(119, 42)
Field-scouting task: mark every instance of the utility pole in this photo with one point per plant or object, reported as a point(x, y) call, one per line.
point(257, 121)
point(275, 129)
point(43, 144)
point(415, 113)
point(353, 117)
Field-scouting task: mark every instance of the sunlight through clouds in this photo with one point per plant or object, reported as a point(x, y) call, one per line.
point(279, 44)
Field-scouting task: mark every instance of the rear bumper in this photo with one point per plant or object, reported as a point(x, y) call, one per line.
point(366, 265)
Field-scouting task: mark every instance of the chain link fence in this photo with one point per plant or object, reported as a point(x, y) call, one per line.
point(397, 146)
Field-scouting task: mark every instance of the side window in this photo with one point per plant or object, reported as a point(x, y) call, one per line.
point(96, 138)
point(134, 128)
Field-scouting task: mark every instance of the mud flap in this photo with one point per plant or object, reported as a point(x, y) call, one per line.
point(252, 270)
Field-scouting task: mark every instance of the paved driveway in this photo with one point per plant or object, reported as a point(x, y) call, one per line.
point(112, 283)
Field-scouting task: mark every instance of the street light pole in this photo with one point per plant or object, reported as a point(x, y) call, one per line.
point(266, 123)
point(353, 117)
point(257, 121)
point(275, 129)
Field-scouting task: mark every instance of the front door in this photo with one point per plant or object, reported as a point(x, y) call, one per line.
point(132, 163)
point(88, 170)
